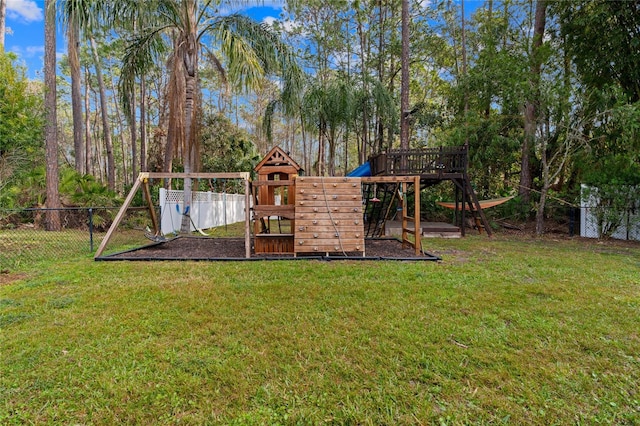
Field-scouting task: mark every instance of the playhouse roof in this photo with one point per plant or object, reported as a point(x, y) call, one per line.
point(277, 157)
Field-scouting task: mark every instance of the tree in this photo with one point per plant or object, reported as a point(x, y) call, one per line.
point(51, 136)
point(74, 15)
point(183, 28)
point(3, 21)
point(530, 112)
point(20, 128)
point(602, 40)
point(404, 95)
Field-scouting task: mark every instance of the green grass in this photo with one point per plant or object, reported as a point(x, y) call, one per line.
point(502, 331)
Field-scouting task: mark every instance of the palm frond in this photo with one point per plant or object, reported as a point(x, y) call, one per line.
point(141, 54)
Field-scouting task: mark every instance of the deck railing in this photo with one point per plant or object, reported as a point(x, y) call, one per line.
point(427, 161)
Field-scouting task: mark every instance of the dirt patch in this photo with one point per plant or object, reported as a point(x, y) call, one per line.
point(196, 248)
point(7, 278)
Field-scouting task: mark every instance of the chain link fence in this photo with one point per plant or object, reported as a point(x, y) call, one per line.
point(604, 223)
point(24, 241)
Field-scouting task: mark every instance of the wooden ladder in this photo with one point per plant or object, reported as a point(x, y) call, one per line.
point(475, 207)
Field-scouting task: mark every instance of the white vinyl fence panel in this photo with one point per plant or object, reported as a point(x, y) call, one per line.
point(208, 209)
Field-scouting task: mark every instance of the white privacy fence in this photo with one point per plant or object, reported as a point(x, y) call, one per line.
point(208, 209)
point(598, 221)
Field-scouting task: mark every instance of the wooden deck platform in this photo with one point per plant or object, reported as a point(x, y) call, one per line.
point(427, 229)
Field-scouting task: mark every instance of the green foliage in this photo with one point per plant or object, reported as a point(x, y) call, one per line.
point(603, 40)
point(226, 148)
point(20, 109)
point(85, 191)
point(21, 131)
point(76, 190)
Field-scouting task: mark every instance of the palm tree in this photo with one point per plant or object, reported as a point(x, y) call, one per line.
point(51, 136)
point(179, 32)
point(3, 29)
point(83, 17)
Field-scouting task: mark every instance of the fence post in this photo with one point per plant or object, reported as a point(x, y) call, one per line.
point(91, 229)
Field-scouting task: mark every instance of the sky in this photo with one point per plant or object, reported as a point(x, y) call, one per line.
point(25, 30)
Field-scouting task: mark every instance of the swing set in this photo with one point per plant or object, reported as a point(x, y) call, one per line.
point(184, 211)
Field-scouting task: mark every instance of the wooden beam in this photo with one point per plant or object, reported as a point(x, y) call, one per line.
point(152, 211)
point(416, 215)
point(388, 179)
point(247, 218)
point(119, 216)
point(235, 175)
point(273, 182)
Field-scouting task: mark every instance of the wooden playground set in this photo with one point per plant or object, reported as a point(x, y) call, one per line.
point(296, 215)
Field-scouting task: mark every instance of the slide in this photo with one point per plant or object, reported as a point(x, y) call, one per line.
point(361, 171)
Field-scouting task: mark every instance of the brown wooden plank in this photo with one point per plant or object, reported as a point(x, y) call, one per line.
point(332, 209)
point(273, 182)
point(328, 248)
point(247, 219)
point(305, 193)
point(152, 210)
point(287, 211)
point(326, 222)
point(276, 169)
point(330, 203)
point(343, 229)
point(154, 175)
point(326, 179)
point(346, 216)
point(328, 241)
point(387, 179)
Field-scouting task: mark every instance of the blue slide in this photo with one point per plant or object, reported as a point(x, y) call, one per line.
point(361, 171)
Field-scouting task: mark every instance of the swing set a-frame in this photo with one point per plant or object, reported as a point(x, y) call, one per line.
point(142, 183)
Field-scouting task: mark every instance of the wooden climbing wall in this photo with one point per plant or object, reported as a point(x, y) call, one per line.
point(328, 215)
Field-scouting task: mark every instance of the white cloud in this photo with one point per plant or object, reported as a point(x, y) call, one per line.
point(287, 25)
point(32, 51)
point(24, 10)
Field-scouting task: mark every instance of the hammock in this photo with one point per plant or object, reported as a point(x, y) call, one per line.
point(484, 204)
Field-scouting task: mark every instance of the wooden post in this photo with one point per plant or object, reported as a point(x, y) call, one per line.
point(403, 186)
point(247, 219)
point(416, 215)
point(152, 211)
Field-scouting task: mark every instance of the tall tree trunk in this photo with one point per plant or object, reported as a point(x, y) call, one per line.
point(106, 129)
point(3, 21)
point(51, 134)
point(404, 89)
point(530, 110)
point(365, 89)
point(143, 124)
point(73, 36)
point(190, 63)
point(87, 125)
point(134, 139)
point(121, 132)
point(380, 69)
point(463, 47)
point(321, 147)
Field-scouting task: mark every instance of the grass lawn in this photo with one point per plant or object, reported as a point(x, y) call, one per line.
point(504, 330)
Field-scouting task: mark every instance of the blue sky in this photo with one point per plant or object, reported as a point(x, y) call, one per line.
point(25, 27)
point(25, 30)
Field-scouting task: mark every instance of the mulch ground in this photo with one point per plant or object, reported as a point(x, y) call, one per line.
point(200, 248)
